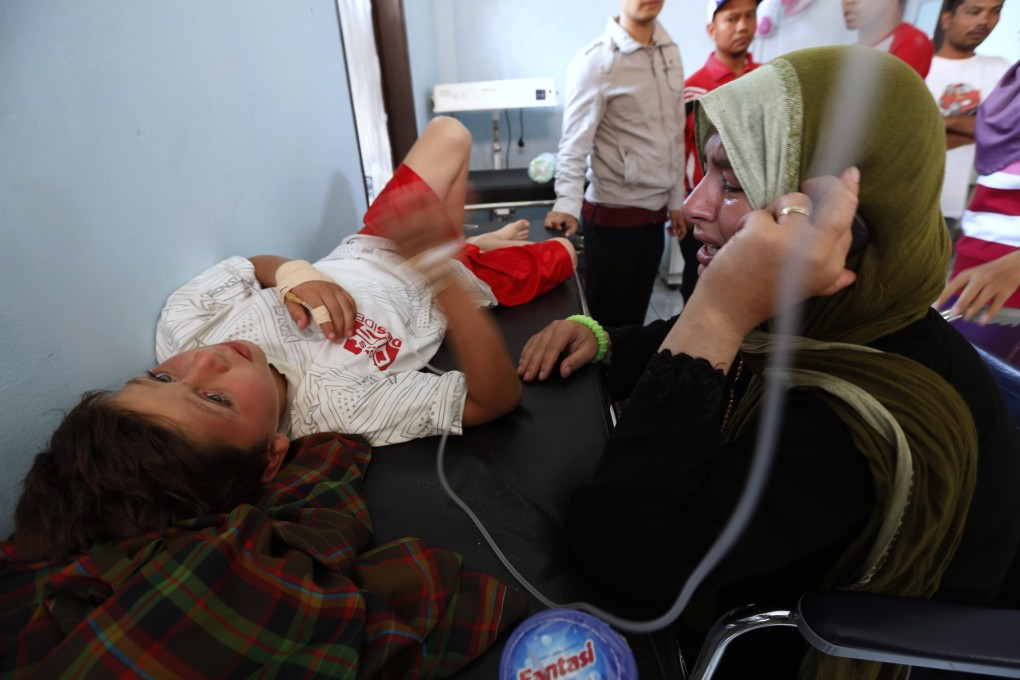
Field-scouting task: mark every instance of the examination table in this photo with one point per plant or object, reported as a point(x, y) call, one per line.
point(516, 474)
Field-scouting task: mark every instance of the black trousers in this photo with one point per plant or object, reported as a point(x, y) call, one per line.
point(621, 264)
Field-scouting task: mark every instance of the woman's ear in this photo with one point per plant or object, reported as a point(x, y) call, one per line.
point(278, 447)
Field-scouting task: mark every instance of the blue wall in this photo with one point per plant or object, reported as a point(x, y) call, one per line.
point(471, 40)
point(141, 142)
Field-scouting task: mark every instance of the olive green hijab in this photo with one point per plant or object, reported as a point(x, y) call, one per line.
point(816, 112)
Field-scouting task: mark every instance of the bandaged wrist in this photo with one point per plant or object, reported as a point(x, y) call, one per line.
point(600, 334)
point(295, 272)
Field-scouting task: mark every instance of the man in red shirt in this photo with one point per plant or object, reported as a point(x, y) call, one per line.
point(879, 24)
point(731, 26)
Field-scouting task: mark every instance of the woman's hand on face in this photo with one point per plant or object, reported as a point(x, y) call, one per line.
point(544, 349)
point(991, 284)
point(744, 280)
point(336, 301)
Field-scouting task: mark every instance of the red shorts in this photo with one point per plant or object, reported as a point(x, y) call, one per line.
point(516, 274)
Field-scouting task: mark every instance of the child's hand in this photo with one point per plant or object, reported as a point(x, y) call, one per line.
point(325, 302)
point(414, 223)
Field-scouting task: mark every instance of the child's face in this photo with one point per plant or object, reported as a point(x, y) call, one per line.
point(223, 393)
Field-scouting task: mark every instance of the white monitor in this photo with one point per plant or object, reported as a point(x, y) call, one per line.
point(494, 95)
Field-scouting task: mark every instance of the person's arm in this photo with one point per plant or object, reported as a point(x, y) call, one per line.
point(265, 268)
point(493, 389)
point(959, 130)
point(573, 345)
point(666, 480)
point(196, 303)
point(989, 284)
point(667, 484)
point(314, 293)
point(963, 125)
point(583, 109)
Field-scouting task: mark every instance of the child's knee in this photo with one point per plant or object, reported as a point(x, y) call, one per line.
point(450, 129)
point(570, 249)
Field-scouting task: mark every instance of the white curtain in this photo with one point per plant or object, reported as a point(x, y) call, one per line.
point(366, 92)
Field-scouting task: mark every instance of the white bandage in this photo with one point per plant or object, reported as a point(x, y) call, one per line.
point(295, 272)
point(321, 315)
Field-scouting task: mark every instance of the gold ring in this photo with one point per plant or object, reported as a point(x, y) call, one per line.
point(794, 209)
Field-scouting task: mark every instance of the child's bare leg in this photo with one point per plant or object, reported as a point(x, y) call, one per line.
point(515, 233)
point(440, 157)
point(504, 238)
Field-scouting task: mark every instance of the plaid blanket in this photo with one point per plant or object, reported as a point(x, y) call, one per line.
point(284, 587)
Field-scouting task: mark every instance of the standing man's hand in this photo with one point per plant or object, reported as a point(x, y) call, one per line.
point(561, 221)
point(677, 227)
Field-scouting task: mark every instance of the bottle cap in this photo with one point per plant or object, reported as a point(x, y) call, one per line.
point(565, 643)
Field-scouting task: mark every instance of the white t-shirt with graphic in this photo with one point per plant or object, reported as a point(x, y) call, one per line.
point(370, 384)
point(958, 86)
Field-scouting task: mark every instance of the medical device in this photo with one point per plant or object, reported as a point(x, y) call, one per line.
point(494, 95)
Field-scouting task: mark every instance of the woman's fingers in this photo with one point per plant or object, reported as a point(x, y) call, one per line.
point(833, 206)
point(986, 285)
point(544, 349)
point(540, 354)
point(954, 285)
point(835, 203)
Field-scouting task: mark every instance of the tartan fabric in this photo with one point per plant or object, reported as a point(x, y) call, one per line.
point(283, 587)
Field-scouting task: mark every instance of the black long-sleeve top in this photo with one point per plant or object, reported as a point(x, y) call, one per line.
point(666, 484)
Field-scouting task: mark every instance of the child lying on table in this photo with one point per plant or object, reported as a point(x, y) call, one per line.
point(243, 368)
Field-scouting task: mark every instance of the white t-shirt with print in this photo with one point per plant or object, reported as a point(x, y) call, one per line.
point(370, 384)
point(958, 86)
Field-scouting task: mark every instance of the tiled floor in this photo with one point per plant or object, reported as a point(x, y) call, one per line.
point(665, 302)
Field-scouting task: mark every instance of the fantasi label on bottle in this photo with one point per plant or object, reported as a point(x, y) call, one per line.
point(563, 644)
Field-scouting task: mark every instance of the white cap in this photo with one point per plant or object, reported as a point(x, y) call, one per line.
point(716, 5)
point(713, 7)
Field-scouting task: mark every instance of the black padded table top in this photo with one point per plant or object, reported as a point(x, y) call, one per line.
point(506, 186)
point(516, 474)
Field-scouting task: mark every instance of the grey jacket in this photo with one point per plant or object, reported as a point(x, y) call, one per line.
point(623, 124)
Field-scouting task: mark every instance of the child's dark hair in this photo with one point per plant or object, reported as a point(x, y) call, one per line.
point(110, 473)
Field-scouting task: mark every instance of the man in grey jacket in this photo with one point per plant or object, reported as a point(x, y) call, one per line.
point(623, 129)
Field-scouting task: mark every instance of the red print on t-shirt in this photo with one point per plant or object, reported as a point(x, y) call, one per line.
point(959, 99)
point(375, 340)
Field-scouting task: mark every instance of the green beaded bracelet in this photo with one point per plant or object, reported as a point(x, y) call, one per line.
point(600, 334)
